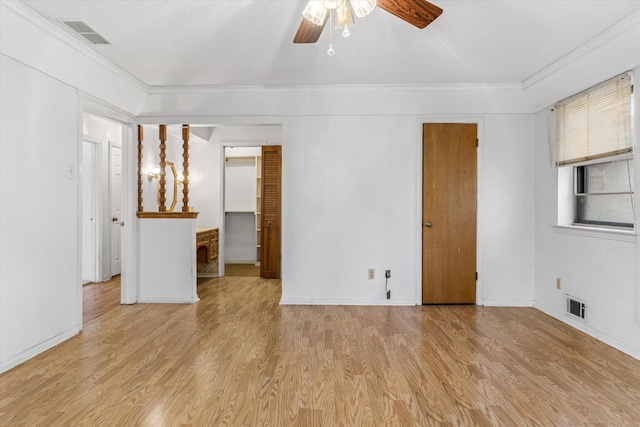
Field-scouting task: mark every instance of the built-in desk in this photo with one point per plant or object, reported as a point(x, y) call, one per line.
point(206, 244)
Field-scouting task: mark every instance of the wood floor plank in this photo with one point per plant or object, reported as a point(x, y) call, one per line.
point(99, 299)
point(239, 358)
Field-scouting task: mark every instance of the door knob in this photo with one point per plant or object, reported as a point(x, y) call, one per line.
point(270, 223)
point(114, 219)
point(429, 224)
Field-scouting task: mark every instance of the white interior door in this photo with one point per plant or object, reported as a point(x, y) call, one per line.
point(90, 170)
point(115, 207)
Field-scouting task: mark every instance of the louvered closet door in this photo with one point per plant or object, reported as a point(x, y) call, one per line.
point(271, 190)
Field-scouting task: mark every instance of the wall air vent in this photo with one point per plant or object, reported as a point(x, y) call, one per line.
point(86, 31)
point(576, 307)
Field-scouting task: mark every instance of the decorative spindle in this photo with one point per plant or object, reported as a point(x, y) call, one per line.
point(140, 138)
point(163, 146)
point(185, 168)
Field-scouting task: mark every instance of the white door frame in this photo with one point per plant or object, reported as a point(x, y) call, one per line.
point(479, 121)
point(221, 229)
point(110, 209)
point(97, 229)
point(94, 106)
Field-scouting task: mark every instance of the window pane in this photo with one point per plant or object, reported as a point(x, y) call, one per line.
point(611, 177)
point(605, 209)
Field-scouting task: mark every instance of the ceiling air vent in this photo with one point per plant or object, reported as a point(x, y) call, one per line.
point(87, 32)
point(576, 307)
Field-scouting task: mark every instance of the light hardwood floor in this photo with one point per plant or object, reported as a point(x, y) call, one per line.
point(244, 270)
point(99, 299)
point(238, 358)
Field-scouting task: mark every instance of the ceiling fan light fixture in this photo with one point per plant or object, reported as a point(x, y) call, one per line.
point(362, 7)
point(315, 12)
point(332, 4)
point(344, 17)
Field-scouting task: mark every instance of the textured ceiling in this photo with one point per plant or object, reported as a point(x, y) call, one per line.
point(249, 42)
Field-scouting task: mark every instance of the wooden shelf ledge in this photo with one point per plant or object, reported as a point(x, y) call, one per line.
point(171, 215)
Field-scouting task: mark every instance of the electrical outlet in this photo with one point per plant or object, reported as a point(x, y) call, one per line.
point(372, 273)
point(387, 274)
point(558, 283)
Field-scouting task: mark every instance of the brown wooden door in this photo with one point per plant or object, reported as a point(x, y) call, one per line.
point(449, 213)
point(270, 211)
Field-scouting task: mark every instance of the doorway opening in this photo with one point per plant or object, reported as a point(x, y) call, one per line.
point(101, 201)
point(242, 215)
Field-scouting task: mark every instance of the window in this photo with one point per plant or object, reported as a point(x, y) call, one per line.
point(593, 135)
point(596, 123)
point(604, 194)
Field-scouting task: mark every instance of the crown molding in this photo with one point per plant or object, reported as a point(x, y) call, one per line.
point(201, 89)
point(609, 34)
point(72, 41)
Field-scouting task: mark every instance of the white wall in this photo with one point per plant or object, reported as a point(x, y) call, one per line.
point(351, 185)
point(43, 69)
point(351, 201)
point(507, 210)
point(167, 260)
point(240, 237)
point(40, 279)
point(240, 204)
point(34, 41)
point(599, 268)
point(240, 186)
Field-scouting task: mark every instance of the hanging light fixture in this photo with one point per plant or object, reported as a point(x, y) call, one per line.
point(316, 12)
point(362, 7)
point(344, 18)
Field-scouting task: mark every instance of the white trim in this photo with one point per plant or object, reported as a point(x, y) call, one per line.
point(203, 89)
point(340, 301)
point(507, 303)
point(129, 255)
point(208, 275)
point(97, 190)
point(479, 121)
point(589, 330)
point(96, 106)
point(609, 34)
point(65, 36)
point(597, 232)
point(39, 348)
point(221, 205)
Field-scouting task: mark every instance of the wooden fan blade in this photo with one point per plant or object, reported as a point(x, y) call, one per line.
point(416, 12)
point(309, 32)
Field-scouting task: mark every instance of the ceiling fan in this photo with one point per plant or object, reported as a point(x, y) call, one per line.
point(317, 12)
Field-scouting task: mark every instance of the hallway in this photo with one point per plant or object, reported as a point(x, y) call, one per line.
point(99, 299)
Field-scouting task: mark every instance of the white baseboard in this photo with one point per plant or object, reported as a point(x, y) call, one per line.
point(336, 301)
point(207, 275)
point(39, 348)
point(167, 300)
point(507, 303)
point(589, 330)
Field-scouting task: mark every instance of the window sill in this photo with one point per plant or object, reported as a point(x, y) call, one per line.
point(597, 232)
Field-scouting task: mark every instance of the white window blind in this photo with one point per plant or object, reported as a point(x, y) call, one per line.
point(595, 123)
